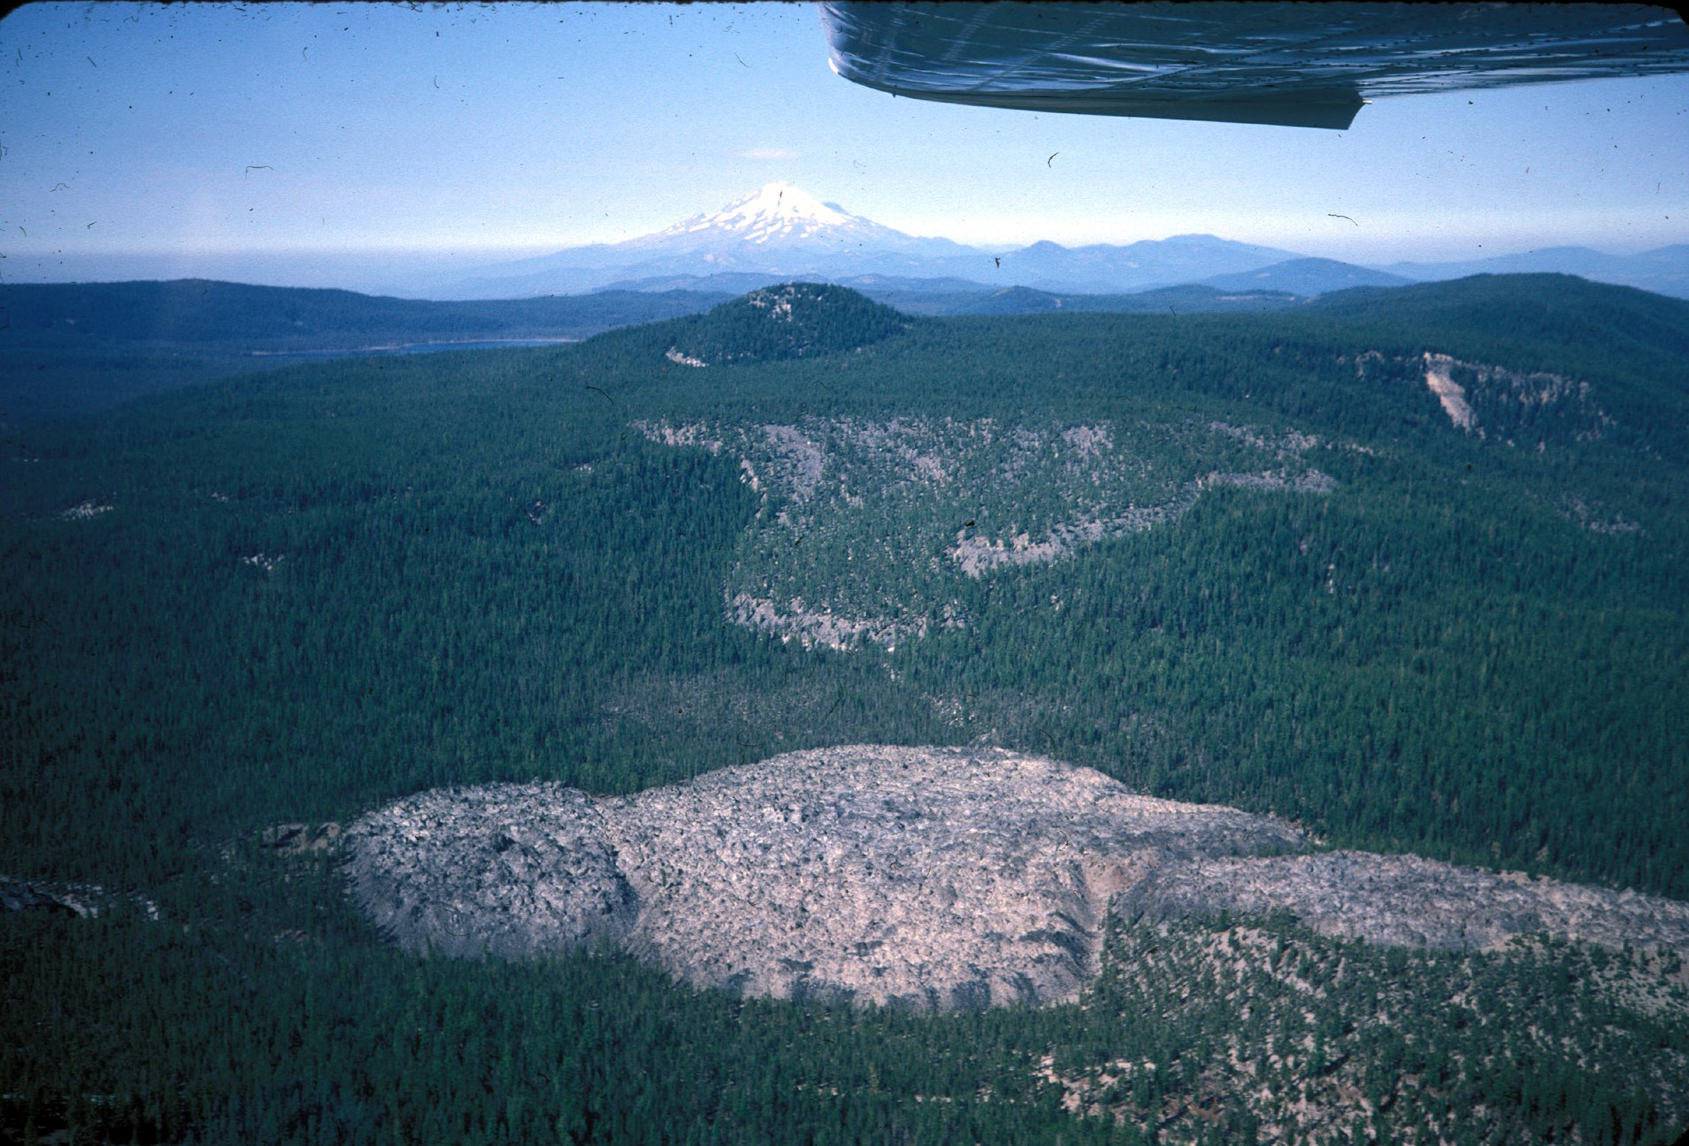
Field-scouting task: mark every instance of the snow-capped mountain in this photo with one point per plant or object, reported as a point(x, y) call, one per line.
point(777, 214)
point(781, 232)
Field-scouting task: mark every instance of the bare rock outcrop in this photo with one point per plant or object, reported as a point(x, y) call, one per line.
point(16, 895)
point(1410, 901)
point(505, 869)
point(55, 897)
point(931, 877)
point(921, 877)
point(300, 839)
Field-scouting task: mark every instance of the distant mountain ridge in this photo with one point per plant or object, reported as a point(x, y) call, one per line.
point(1663, 270)
point(779, 230)
point(781, 233)
point(1101, 268)
point(1306, 277)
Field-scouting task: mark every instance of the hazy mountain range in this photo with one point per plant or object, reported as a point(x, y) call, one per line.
point(781, 232)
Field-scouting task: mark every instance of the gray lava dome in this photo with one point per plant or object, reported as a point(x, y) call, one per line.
point(925, 877)
point(505, 869)
point(918, 877)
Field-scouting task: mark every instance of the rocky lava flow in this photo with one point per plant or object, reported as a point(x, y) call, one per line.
point(906, 876)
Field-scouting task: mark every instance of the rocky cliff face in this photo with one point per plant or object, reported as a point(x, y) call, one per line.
point(929, 878)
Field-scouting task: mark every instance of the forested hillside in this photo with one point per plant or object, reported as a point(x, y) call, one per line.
point(1406, 566)
point(73, 348)
point(793, 320)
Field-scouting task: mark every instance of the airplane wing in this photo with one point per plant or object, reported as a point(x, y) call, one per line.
point(1291, 64)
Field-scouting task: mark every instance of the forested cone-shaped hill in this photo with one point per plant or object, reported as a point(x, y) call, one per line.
point(792, 320)
point(1406, 568)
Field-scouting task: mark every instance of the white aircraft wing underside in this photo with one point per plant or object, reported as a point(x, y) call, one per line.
point(1292, 64)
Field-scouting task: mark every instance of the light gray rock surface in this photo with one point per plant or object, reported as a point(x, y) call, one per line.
point(505, 869)
point(1409, 901)
point(16, 895)
point(931, 877)
point(923, 877)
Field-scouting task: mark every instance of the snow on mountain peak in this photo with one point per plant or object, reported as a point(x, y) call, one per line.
point(778, 210)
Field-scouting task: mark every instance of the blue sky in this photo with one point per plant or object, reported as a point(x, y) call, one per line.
point(209, 137)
